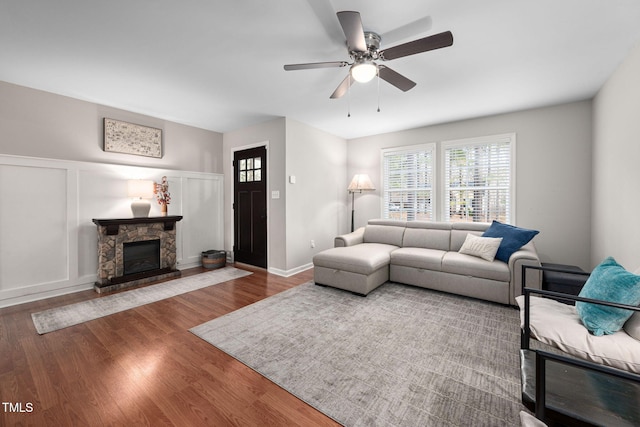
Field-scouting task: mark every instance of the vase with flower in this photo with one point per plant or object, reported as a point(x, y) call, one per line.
point(163, 196)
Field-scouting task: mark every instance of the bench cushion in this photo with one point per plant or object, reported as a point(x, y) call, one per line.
point(559, 325)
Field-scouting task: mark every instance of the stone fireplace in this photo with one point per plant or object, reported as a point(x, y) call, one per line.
point(135, 251)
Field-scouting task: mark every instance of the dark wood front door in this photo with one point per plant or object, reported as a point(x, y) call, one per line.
point(250, 206)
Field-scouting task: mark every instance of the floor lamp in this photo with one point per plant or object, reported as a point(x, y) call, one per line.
point(359, 183)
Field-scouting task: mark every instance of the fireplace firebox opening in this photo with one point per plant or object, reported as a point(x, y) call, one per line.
point(141, 256)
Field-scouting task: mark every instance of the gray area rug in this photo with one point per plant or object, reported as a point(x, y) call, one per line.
point(73, 314)
point(402, 356)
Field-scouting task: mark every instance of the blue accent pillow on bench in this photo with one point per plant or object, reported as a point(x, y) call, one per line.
point(513, 238)
point(609, 281)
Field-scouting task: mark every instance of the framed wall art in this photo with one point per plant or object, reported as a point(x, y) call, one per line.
point(129, 138)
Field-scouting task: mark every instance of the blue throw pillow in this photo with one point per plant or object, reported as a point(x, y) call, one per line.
point(513, 238)
point(609, 281)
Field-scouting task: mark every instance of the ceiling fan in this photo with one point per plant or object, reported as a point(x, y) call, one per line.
point(363, 47)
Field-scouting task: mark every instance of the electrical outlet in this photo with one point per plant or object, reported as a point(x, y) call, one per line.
point(313, 244)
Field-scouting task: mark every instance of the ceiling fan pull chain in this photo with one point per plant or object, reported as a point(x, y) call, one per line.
point(378, 74)
point(349, 97)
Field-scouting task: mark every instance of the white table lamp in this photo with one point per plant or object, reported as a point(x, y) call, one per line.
point(140, 190)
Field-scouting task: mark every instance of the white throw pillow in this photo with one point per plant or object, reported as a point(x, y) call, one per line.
point(483, 247)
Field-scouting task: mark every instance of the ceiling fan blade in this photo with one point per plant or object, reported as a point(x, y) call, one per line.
point(291, 67)
point(436, 41)
point(396, 79)
point(352, 27)
point(342, 87)
point(411, 30)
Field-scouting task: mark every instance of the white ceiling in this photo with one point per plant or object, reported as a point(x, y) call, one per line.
point(218, 65)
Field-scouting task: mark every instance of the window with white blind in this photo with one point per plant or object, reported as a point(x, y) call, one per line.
point(479, 179)
point(408, 183)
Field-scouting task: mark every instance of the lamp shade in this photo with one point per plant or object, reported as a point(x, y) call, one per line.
point(140, 188)
point(361, 182)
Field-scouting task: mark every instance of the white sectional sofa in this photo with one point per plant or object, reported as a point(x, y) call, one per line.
point(422, 254)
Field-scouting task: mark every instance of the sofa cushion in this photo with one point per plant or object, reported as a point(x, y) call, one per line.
point(422, 234)
point(363, 259)
point(609, 281)
point(559, 325)
point(513, 238)
point(386, 234)
point(427, 259)
point(483, 247)
point(468, 265)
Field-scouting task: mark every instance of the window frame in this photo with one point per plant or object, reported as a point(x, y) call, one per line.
point(508, 138)
point(425, 147)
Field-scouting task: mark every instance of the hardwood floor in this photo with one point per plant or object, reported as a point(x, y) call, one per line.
point(142, 366)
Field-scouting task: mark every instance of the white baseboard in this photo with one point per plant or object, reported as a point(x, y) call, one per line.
point(22, 299)
point(291, 272)
point(186, 265)
point(41, 292)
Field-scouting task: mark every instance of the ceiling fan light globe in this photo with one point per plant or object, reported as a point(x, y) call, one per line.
point(364, 72)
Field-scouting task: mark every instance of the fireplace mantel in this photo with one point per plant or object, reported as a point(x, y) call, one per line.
point(113, 225)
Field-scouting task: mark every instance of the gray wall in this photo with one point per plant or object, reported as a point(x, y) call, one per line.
point(316, 207)
point(616, 150)
point(553, 172)
point(41, 124)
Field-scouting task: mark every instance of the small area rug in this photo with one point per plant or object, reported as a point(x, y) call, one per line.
point(73, 314)
point(402, 356)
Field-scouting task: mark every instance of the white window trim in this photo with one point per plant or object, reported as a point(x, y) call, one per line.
point(506, 137)
point(431, 146)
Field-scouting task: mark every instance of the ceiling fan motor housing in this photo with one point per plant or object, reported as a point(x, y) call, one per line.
point(373, 44)
point(372, 39)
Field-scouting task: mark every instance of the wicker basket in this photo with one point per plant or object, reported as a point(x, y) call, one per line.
point(214, 259)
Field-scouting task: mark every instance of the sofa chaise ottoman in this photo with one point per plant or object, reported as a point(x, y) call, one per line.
point(359, 262)
point(425, 254)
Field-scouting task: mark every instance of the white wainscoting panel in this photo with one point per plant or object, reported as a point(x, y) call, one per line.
point(48, 242)
point(101, 194)
point(33, 226)
point(203, 204)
